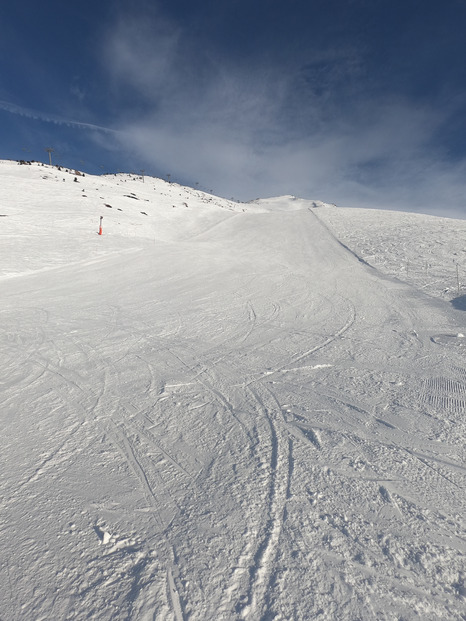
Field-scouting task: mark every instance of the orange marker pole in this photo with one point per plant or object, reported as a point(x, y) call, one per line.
point(100, 226)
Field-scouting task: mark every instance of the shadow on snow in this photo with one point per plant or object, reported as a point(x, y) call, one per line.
point(459, 303)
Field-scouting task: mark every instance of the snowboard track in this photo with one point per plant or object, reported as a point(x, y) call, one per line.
point(280, 472)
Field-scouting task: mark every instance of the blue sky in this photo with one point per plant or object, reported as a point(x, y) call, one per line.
point(357, 102)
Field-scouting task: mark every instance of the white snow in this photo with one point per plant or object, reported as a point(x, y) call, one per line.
point(221, 411)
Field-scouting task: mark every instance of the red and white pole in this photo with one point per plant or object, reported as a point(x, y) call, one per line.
point(100, 226)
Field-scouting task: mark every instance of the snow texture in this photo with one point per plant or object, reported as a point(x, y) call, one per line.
point(224, 411)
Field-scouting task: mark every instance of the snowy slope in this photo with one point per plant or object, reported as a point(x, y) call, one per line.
point(55, 212)
point(219, 411)
point(426, 251)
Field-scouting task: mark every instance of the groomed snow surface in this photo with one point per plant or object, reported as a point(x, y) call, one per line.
point(226, 411)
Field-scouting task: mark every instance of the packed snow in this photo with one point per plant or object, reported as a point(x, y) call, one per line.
point(225, 411)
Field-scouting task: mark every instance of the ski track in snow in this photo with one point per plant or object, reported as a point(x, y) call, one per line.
point(223, 411)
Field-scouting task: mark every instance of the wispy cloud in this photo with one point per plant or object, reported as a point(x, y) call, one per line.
point(139, 55)
point(312, 127)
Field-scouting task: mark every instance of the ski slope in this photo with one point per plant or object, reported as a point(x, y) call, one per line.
point(223, 411)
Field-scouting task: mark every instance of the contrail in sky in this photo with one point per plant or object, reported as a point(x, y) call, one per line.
point(48, 118)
